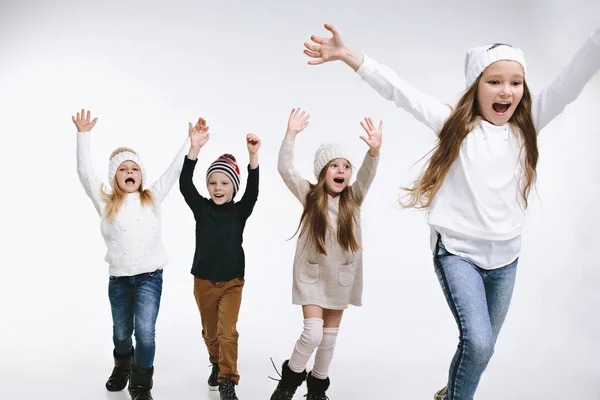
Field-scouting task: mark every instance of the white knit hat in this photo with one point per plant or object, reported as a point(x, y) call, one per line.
point(118, 159)
point(479, 58)
point(326, 153)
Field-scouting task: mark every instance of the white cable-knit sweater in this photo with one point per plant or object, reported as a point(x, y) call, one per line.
point(478, 210)
point(134, 238)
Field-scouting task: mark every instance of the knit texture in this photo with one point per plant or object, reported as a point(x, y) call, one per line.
point(120, 158)
point(219, 256)
point(479, 58)
point(227, 165)
point(327, 152)
point(334, 280)
point(134, 238)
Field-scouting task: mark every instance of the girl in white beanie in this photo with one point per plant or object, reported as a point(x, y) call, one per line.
point(477, 181)
point(129, 210)
point(328, 260)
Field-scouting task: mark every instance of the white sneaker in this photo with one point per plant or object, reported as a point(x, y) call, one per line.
point(441, 395)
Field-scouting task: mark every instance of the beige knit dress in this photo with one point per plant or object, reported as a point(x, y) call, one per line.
point(334, 280)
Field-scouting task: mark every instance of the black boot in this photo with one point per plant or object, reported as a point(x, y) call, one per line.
point(316, 388)
point(227, 390)
point(289, 382)
point(140, 383)
point(213, 383)
point(120, 373)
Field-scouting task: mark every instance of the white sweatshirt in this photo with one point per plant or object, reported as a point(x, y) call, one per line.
point(478, 210)
point(134, 238)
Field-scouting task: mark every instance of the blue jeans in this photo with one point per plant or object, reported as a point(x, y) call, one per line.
point(479, 300)
point(134, 303)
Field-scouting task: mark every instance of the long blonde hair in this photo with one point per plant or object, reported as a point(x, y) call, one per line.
point(114, 200)
point(315, 218)
point(461, 122)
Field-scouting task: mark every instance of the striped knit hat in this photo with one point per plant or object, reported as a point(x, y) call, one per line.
point(227, 165)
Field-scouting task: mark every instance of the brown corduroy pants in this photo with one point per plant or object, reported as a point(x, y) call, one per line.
point(219, 306)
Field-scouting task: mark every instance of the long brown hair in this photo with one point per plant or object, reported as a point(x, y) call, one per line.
point(114, 200)
point(315, 218)
point(463, 120)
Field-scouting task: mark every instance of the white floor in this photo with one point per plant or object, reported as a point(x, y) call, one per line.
point(400, 353)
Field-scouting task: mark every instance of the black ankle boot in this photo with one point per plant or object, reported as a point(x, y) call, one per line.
point(213, 379)
point(120, 373)
point(227, 390)
point(316, 388)
point(140, 383)
point(289, 383)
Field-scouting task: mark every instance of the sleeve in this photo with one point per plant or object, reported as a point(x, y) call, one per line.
point(426, 109)
point(569, 83)
point(161, 188)
point(364, 178)
point(285, 166)
point(87, 176)
point(191, 196)
point(246, 204)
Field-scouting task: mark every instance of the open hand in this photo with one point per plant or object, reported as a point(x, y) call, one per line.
point(198, 134)
point(82, 121)
point(373, 137)
point(297, 122)
point(325, 49)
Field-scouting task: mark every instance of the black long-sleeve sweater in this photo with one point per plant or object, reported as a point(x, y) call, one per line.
point(219, 255)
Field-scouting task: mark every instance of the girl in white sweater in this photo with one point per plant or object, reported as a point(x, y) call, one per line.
point(129, 209)
point(476, 184)
point(328, 261)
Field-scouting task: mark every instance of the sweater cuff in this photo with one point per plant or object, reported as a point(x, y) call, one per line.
point(186, 160)
point(367, 67)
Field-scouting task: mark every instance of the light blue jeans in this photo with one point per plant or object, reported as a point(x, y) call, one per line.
point(479, 300)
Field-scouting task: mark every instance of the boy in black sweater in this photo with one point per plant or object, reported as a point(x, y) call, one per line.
point(218, 266)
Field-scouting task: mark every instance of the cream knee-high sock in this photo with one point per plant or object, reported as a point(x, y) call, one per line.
point(307, 343)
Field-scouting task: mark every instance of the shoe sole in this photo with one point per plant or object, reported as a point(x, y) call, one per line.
point(213, 388)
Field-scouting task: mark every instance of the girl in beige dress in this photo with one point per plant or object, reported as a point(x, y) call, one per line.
point(328, 261)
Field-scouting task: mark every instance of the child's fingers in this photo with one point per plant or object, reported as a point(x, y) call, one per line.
point(364, 125)
point(316, 39)
point(94, 123)
point(316, 62)
point(380, 126)
point(312, 47)
point(312, 54)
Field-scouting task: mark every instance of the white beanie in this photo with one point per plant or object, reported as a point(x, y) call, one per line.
point(118, 159)
point(479, 58)
point(326, 153)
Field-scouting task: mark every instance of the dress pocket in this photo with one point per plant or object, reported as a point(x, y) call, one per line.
point(346, 275)
point(308, 272)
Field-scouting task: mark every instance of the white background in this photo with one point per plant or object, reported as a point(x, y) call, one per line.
point(147, 69)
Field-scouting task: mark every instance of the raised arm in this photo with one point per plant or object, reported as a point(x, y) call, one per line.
point(85, 170)
point(386, 82)
point(368, 168)
point(246, 204)
point(198, 137)
point(163, 185)
point(569, 83)
point(299, 186)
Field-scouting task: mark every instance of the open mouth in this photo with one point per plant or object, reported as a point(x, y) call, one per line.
point(501, 107)
point(130, 181)
point(219, 196)
point(339, 180)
